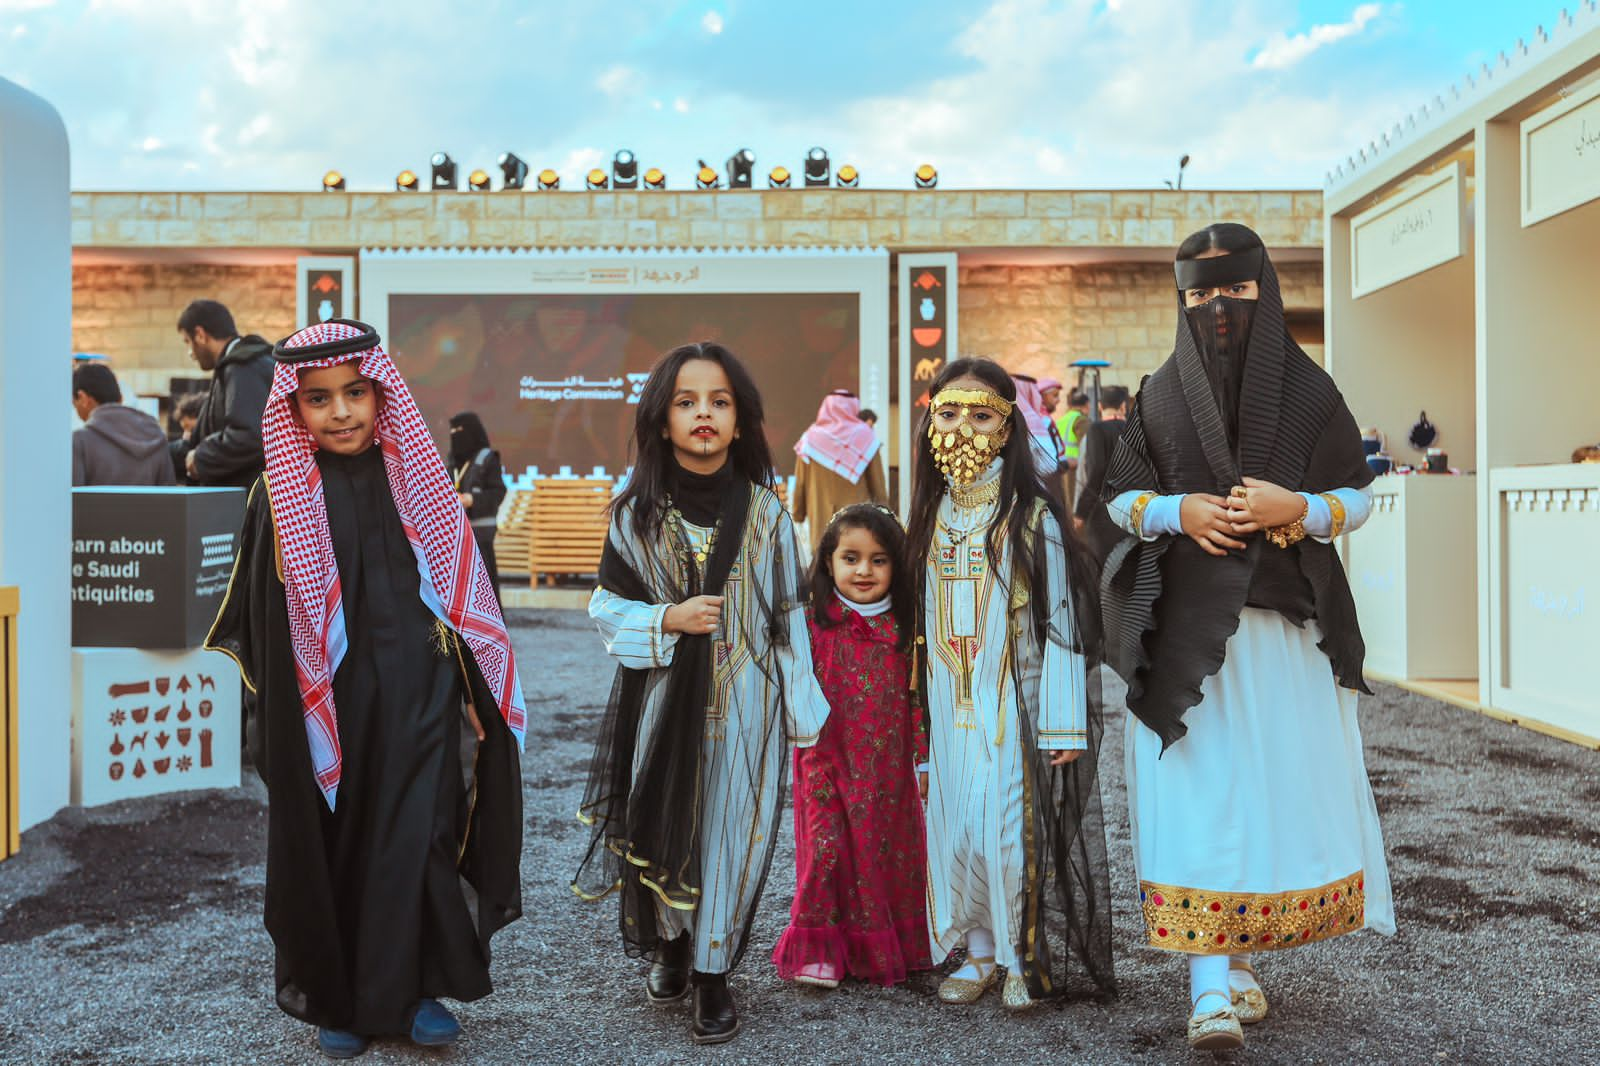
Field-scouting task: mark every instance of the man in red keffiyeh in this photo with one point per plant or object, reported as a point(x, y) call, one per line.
point(388, 713)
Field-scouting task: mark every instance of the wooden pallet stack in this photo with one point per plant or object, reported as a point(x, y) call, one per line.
point(566, 527)
point(513, 541)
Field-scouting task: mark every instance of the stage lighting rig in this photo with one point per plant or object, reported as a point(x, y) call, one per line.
point(596, 179)
point(478, 181)
point(816, 168)
point(333, 181)
point(513, 171)
point(848, 177)
point(741, 165)
point(926, 176)
point(655, 178)
point(705, 177)
point(625, 170)
point(444, 171)
point(406, 181)
point(549, 180)
point(779, 178)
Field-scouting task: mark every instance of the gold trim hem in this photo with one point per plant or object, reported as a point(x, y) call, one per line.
point(1199, 921)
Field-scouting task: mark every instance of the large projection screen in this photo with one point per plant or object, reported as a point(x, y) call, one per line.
point(551, 348)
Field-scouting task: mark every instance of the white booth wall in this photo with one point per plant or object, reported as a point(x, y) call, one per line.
point(35, 441)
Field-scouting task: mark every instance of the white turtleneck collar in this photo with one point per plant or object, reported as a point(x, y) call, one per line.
point(866, 610)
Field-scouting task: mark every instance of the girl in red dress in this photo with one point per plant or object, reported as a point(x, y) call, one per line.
point(860, 855)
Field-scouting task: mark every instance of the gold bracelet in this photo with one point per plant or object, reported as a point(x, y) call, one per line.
point(1336, 509)
point(1294, 532)
point(1136, 513)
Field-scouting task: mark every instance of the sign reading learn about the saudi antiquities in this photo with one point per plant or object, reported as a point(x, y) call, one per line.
point(150, 567)
point(1561, 156)
point(1415, 230)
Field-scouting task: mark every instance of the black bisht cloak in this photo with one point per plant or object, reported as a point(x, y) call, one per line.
point(314, 973)
point(1170, 607)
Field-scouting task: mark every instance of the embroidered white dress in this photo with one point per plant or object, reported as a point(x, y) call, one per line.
point(741, 769)
point(1258, 829)
point(976, 623)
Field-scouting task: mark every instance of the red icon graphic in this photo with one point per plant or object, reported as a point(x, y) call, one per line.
point(184, 713)
point(137, 688)
point(927, 336)
point(161, 715)
point(117, 747)
point(162, 684)
point(138, 768)
point(183, 737)
point(140, 714)
point(161, 766)
point(926, 281)
point(205, 708)
point(115, 770)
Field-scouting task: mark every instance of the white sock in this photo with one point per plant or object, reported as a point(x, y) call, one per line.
point(1241, 974)
point(1208, 983)
point(980, 945)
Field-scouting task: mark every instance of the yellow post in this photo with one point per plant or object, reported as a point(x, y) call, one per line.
point(10, 712)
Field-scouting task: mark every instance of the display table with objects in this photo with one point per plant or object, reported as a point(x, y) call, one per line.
point(151, 711)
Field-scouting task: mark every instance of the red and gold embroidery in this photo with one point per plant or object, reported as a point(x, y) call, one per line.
point(1203, 922)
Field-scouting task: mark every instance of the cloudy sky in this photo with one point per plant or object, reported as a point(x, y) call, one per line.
point(268, 94)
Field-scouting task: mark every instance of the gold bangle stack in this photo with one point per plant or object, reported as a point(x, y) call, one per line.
point(1136, 513)
point(1336, 509)
point(1293, 533)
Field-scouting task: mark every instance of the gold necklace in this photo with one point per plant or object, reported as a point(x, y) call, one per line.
point(701, 554)
point(975, 497)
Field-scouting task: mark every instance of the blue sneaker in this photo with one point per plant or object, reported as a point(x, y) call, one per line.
point(433, 1025)
point(338, 1044)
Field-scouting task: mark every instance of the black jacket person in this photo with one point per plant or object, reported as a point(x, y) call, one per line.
point(225, 447)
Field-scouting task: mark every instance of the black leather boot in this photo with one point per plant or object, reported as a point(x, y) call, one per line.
point(669, 973)
point(716, 1021)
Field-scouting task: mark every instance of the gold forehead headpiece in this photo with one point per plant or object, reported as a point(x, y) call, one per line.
point(974, 398)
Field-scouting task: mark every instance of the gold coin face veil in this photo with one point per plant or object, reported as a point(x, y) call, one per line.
point(963, 447)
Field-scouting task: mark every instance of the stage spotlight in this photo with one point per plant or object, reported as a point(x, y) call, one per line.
point(655, 178)
point(333, 181)
point(816, 167)
point(406, 181)
point(478, 181)
point(705, 177)
point(513, 171)
point(779, 178)
point(596, 179)
point(549, 180)
point(741, 165)
point(625, 170)
point(926, 176)
point(848, 177)
point(444, 171)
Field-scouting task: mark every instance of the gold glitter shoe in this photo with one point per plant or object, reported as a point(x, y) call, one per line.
point(965, 990)
point(1014, 995)
point(1250, 1002)
point(1216, 1030)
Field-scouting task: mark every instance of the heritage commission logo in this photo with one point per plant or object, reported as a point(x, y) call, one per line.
point(577, 387)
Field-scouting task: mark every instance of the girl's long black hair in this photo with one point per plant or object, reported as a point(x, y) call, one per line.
point(884, 527)
point(653, 461)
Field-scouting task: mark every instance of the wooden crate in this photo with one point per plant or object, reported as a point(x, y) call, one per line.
point(513, 541)
point(567, 523)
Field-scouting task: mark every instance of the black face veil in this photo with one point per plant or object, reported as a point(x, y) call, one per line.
point(1221, 326)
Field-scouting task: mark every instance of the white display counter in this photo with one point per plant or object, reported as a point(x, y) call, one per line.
point(1413, 570)
point(1544, 617)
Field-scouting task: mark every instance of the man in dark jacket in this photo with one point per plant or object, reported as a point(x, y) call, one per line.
point(1099, 442)
point(225, 447)
point(117, 445)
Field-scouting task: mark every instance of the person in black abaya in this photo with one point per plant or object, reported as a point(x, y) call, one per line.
point(388, 714)
point(480, 482)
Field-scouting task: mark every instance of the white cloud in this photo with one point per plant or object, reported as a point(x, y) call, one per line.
point(618, 81)
point(151, 144)
point(18, 6)
point(255, 129)
point(1281, 51)
point(712, 23)
point(681, 106)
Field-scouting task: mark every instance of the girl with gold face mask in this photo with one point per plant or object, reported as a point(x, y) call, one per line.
point(1006, 665)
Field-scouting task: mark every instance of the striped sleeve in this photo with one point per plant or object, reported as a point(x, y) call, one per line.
point(632, 631)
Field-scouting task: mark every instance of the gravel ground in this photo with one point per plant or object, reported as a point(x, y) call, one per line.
point(132, 933)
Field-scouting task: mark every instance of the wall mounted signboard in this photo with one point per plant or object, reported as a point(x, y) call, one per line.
point(1414, 230)
point(1561, 156)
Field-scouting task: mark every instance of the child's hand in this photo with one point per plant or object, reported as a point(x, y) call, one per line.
point(1258, 505)
point(472, 719)
point(922, 785)
point(466, 499)
point(696, 616)
point(1061, 758)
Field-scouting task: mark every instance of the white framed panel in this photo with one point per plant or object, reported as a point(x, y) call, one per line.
point(929, 327)
point(1417, 229)
point(324, 288)
point(1561, 156)
point(1544, 595)
point(583, 395)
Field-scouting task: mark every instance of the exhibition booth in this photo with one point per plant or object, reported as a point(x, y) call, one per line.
point(1460, 268)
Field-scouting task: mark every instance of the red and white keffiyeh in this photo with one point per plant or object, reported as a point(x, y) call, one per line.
point(434, 521)
point(838, 439)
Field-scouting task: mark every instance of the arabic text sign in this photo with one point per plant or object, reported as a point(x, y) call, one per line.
point(1412, 231)
point(1561, 156)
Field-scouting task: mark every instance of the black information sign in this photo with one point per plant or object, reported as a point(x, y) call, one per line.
point(150, 567)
